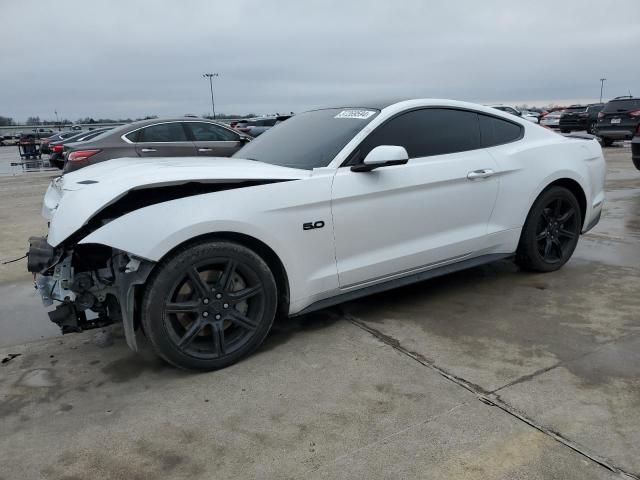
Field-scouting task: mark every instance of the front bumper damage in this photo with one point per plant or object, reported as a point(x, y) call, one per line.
point(82, 281)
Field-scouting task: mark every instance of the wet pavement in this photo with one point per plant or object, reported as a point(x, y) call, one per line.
point(12, 164)
point(483, 374)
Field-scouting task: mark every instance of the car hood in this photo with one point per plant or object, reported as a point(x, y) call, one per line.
point(72, 200)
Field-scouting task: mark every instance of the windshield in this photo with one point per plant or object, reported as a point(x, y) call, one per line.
point(308, 140)
point(575, 109)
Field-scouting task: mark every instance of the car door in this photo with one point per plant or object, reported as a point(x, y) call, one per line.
point(435, 209)
point(214, 140)
point(166, 139)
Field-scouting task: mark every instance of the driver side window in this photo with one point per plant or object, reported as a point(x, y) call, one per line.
point(424, 133)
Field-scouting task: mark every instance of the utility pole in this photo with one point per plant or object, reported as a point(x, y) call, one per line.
point(602, 80)
point(57, 121)
point(210, 77)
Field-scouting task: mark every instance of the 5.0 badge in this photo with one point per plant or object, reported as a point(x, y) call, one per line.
point(312, 225)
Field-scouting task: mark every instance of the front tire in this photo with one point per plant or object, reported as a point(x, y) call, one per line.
point(209, 305)
point(550, 233)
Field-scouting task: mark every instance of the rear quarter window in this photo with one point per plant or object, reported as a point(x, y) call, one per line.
point(133, 136)
point(622, 105)
point(496, 131)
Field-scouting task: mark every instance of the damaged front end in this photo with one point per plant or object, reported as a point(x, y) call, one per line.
point(94, 285)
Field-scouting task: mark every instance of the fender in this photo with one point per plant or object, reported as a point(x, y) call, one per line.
point(273, 214)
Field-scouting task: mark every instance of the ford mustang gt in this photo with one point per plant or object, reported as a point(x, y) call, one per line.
point(200, 255)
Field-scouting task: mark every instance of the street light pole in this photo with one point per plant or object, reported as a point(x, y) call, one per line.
point(602, 80)
point(210, 77)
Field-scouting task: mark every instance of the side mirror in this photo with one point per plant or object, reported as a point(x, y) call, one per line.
point(382, 156)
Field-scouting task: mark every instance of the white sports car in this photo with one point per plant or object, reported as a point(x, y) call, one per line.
point(200, 254)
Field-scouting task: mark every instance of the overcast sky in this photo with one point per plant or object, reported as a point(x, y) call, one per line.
point(134, 58)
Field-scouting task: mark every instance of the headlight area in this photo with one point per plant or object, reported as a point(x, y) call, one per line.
point(92, 284)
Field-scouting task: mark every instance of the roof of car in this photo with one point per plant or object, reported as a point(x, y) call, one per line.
point(150, 121)
point(378, 104)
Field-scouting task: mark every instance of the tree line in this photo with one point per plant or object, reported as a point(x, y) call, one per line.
point(35, 120)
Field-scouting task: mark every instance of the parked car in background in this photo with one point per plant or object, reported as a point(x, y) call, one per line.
point(517, 112)
point(172, 137)
point(580, 117)
point(11, 139)
point(551, 119)
point(40, 133)
point(635, 148)
point(56, 137)
point(618, 120)
point(257, 126)
point(57, 157)
point(332, 205)
point(533, 117)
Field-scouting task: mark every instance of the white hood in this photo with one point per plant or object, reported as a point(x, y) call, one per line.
point(73, 199)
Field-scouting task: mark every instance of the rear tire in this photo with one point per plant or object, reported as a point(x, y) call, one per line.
point(551, 231)
point(607, 142)
point(209, 305)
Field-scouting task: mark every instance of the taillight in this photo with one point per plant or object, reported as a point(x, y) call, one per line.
point(635, 113)
point(600, 115)
point(80, 157)
point(58, 148)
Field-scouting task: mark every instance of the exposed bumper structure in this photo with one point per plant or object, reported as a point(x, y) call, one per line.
point(90, 294)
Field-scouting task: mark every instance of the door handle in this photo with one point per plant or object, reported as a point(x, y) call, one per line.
point(147, 150)
point(205, 149)
point(484, 173)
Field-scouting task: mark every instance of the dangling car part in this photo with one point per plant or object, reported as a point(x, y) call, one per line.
point(331, 205)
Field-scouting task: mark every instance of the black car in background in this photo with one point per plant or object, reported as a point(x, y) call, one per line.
point(57, 148)
point(580, 117)
point(45, 142)
point(618, 120)
point(635, 148)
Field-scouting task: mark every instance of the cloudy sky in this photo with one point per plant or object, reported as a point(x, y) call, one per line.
point(132, 58)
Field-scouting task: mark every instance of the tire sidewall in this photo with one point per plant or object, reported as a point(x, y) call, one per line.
point(528, 248)
point(162, 280)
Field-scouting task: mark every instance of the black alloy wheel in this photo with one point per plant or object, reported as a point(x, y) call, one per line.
point(551, 231)
point(557, 230)
point(209, 305)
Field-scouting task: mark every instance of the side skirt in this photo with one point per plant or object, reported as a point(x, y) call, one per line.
point(403, 281)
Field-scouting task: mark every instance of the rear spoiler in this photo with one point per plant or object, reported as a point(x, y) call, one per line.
point(583, 136)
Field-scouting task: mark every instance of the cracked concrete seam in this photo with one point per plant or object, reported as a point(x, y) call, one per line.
point(493, 399)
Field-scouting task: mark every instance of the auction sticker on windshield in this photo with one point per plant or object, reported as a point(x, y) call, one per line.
point(361, 114)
